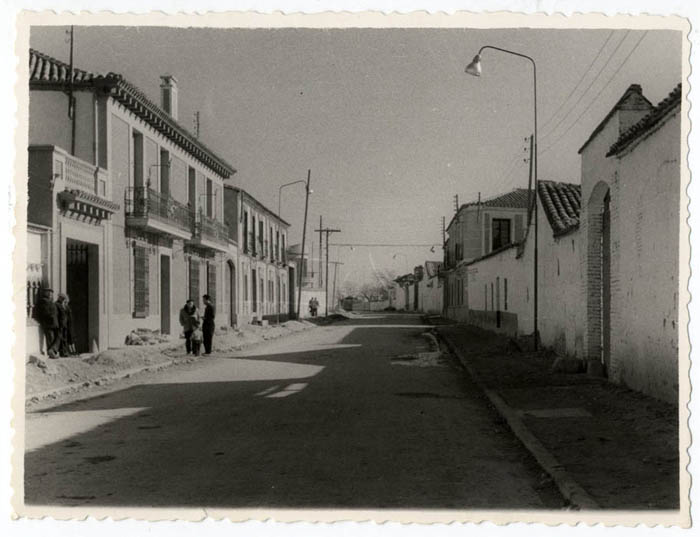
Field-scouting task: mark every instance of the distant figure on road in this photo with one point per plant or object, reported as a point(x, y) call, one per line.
point(188, 318)
point(208, 324)
point(46, 314)
point(313, 306)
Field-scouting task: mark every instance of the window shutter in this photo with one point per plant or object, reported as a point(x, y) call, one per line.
point(194, 281)
point(487, 233)
point(518, 227)
point(211, 281)
point(140, 281)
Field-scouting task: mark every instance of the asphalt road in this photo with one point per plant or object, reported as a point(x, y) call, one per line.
point(322, 419)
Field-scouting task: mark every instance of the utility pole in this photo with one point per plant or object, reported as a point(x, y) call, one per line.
point(71, 97)
point(303, 240)
point(327, 231)
point(320, 250)
point(530, 198)
point(335, 274)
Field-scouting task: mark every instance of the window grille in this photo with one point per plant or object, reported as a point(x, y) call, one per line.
point(140, 281)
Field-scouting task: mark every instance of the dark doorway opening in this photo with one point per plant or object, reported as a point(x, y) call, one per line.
point(292, 293)
point(232, 293)
point(164, 294)
point(82, 287)
point(605, 278)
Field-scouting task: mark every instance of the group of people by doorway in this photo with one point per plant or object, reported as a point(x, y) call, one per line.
point(198, 330)
point(55, 318)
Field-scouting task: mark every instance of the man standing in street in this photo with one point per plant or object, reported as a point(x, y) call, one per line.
point(208, 324)
point(46, 314)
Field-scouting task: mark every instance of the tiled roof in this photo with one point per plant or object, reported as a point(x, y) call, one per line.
point(50, 73)
point(648, 122)
point(562, 205)
point(515, 199)
point(632, 99)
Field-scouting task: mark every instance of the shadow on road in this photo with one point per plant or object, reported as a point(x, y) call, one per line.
point(332, 424)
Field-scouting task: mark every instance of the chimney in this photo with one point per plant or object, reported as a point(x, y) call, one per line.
point(168, 95)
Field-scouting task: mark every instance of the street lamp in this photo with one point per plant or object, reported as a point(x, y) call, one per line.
point(474, 69)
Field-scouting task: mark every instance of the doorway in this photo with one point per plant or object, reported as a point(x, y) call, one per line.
point(254, 288)
point(231, 269)
point(164, 294)
point(292, 293)
point(82, 287)
point(605, 278)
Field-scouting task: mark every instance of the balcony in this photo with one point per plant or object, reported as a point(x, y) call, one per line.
point(210, 233)
point(81, 188)
point(86, 177)
point(159, 213)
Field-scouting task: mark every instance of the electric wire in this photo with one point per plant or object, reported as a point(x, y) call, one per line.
point(578, 84)
point(593, 81)
point(594, 100)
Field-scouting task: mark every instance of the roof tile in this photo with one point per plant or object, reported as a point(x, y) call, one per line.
point(562, 205)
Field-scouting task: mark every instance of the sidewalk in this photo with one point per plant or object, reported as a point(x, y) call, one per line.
point(47, 378)
point(605, 443)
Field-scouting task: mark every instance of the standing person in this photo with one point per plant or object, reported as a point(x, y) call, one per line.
point(46, 314)
point(188, 318)
point(62, 325)
point(196, 336)
point(68, 334)
point(208, 324)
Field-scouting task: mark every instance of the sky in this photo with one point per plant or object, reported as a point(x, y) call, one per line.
point(386, 120)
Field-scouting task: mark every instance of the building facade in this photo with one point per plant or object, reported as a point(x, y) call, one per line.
point(265, 275)
point(124, 198)
point(478, 230)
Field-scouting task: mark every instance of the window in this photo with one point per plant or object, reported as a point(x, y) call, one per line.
point(209, 196)
point(500, 232)
point(284, 249)
point(191, 188)
point(485, 298)
point(140, 281)
point(194, 281)
point(164, 172)
point(246, 247)
point(492, 299)
point(505, 294)
point(245, 287)
point(138, 158)
point(211, 281)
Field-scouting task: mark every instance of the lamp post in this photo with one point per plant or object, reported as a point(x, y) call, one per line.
point(474, 69)
point(279, 215)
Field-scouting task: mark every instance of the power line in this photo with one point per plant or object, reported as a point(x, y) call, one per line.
point(594, 100)
point(576, 86)
point(595, 79)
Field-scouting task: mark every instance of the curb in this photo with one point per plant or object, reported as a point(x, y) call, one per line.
point(86, 384)
point(569, 488)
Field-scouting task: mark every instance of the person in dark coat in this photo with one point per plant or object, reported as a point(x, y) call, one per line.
point(188, 318)
point(46, 314)
point(68, 333)
point(62, 325)
point(208, 324)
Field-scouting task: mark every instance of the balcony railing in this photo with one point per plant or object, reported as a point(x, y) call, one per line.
point(208, 228)
point(84, 176)
point(143, 202)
